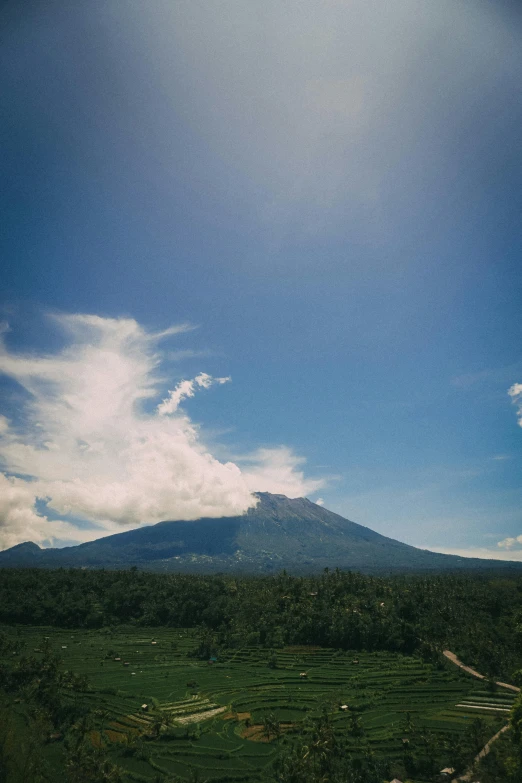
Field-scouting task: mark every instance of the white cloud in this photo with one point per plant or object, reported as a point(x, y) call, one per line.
point(481, 552)
point(186, 389)
point(515, 392)
point(17, 511)
point(510, 542)
point(319, 502)
point(278, 470)
point(19, 520)
point(513, 542)
point(87, 446)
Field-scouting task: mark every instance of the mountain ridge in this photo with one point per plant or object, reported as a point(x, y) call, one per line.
point(278, 533)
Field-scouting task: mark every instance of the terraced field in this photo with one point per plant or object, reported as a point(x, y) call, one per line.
point(211, 717)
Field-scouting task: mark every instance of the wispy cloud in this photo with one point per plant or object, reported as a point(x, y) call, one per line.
point(319, 103)
point(87, 446)
point(490, 375)
point(278, 470)
point(467, 380)
point(186, 389)
point(480, 552)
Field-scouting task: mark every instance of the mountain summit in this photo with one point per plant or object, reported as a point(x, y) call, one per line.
point(278, 533)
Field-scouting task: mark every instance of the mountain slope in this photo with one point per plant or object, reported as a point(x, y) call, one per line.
point(278, 533)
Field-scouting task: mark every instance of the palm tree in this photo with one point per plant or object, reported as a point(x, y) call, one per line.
point(271, 727)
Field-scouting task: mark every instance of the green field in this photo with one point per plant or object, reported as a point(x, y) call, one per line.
point(210, 717)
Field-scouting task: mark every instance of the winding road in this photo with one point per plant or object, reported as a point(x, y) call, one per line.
point(467, 776)
point(453, 658)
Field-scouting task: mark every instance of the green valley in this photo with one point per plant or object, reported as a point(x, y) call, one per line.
point(131, 676)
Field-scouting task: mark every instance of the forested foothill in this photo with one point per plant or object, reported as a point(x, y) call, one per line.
point(132, 676)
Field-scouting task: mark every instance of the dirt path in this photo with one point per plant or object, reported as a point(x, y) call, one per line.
point(467, 776)
point(453, 658)
point(484, 752)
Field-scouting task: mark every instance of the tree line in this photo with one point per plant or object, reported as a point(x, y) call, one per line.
point(477, 616)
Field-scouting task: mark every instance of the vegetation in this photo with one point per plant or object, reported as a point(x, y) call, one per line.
point(283, 679)
point(478, 617)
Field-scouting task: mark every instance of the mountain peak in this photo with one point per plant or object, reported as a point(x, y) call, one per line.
point(26, 546)
point(278, 533)
point(274, 496)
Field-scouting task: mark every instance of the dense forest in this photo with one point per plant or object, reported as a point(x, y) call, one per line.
point(477, 617)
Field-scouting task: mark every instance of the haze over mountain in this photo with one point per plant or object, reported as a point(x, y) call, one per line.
point(294, 534)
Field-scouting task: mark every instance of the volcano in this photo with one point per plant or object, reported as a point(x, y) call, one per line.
point(278, 533)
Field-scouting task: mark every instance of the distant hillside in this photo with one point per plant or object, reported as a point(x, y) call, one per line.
point(296, 535)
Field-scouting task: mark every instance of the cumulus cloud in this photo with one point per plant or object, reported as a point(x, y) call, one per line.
point(278, 470)
point(17, 511)
point(515, 392)
point(186, 389)
point(319, 502)
point(19, 520)
point(510, 542)
point(86, 445)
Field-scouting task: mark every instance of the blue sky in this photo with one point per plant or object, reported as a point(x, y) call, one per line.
point(328, 197)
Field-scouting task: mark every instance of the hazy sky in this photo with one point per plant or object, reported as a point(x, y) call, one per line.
point(262, 245)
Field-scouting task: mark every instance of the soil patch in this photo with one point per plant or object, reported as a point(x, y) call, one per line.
point(96, 740)
point(256, 733)
point(115, 736)
point(236, 716)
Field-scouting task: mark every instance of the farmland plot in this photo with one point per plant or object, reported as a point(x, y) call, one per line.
point(161, 711)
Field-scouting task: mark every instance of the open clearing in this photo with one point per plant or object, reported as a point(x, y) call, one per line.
point(210, 717)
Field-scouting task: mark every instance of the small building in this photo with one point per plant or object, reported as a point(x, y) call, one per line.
point(64, 646)
point(355, 660)
point(303, 675)
point(117, 659)
point(344, 707)
point(446, 773)
point(144, 707)
point(126, 663)
point(395, 780)
point(153, 642)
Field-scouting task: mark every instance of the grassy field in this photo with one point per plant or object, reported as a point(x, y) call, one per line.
point(210, 717)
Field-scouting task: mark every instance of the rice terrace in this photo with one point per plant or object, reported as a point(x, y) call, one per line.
point(161, 712)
